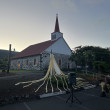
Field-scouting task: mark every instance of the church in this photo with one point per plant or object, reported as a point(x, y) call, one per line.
point(37, 56)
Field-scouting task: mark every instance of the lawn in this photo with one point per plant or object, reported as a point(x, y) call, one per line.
point(21, 71)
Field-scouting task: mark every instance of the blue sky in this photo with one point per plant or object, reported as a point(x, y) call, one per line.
point(27, 22)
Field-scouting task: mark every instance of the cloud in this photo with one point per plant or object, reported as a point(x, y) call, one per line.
point(64, 4)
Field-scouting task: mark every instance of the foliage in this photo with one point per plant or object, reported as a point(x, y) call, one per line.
point(100, 66)
point(3, 63)
point(87, 55)
point(4, 53)
point(4, 58)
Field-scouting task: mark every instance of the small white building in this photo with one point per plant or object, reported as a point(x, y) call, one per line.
point(37, 56)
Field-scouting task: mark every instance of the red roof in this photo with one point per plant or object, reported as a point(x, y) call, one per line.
point(34, 49)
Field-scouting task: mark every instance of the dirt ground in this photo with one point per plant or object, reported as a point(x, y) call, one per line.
point(9, 89)
point(8, 81)
point(10, 93)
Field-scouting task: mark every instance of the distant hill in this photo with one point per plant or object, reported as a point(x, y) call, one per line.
point(4, 53)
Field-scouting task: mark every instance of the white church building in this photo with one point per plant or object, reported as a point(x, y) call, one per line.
point(37, 56)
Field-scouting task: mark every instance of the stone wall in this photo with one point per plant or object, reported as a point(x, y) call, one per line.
point(63, 58)
point(26, 63)
point(42, 62)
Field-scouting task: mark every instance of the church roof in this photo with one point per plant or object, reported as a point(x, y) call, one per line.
point(34, 49)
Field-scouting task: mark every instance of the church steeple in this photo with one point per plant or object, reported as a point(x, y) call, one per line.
point(56, 34)
point(57, 29)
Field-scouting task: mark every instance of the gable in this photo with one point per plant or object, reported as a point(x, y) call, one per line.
point(60, 46)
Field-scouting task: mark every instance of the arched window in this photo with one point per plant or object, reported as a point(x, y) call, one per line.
point(27, 62)
point(59, 62)
point(35, 63)
point(68, 65)
point(18, 63)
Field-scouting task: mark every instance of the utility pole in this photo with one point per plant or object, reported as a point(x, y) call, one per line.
point(9, 58)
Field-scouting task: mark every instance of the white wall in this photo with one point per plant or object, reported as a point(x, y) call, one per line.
point(56, 35)
point(60, 46)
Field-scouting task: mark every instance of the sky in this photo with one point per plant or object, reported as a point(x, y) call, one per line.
point(28, 22)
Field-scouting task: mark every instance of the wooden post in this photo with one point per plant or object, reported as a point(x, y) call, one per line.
point(9, 58)
point(40, 61)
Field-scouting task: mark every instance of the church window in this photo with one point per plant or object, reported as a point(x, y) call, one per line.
point(35, 63)
point(59, 62)
point(53, 37)
point(18, 63)
point(68, 65)
point(27, 62)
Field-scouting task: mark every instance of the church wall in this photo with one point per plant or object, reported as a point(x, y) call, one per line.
point(27, 63)
point(56, 35)
point(60, 46)
point(42, 62)
point(45, 60)
point(64, 61)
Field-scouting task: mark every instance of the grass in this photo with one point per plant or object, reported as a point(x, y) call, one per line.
point(78, 72)
point(22, 71)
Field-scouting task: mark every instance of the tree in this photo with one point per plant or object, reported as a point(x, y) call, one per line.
point(3, 63)
point(76, 57)
point(100, 67)
point(85, 56)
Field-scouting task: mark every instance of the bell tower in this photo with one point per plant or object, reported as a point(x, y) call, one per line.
point(56, 34)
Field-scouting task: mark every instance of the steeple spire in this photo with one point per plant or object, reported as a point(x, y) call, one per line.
point(56, 34)
point(57, 29)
